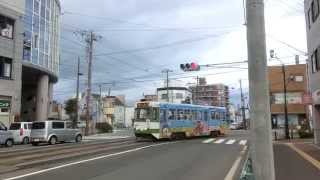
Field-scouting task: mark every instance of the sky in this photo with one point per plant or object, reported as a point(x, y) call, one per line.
point(138, 39)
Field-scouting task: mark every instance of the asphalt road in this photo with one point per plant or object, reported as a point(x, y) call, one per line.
point(178, 160)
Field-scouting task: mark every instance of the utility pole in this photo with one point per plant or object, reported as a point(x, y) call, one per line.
point(196, 94)
point(100, 102)
point(286, 120)
point(243, 108)
point(261, 140)
point(75, 122)
point(167, 74)
point(89, 38)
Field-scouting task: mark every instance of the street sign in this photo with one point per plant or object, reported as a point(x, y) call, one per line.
point(4, 104)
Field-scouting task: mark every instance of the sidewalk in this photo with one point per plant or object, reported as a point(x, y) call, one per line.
point(296, 160)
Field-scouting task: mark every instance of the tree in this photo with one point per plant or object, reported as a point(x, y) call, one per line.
point(71, 109)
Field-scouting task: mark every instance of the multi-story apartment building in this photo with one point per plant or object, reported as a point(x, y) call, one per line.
point(210, 94)
point(29, 58)
point(312, 14)
point(296, 85)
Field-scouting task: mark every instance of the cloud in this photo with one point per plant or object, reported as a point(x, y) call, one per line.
point(174, 26)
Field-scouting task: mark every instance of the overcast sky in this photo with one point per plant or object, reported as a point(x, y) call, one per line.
point(140, 38)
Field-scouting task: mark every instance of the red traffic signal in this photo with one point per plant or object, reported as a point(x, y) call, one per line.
point(190, 67)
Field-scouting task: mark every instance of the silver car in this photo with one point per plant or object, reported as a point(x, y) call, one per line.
point(52, 132)
point(6, 137)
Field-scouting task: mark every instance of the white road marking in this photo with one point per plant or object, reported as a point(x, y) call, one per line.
point(231, 141)
point(236, 164)
point(208, 140)
point(87, 160)
point(243, 142)
point(219, 141)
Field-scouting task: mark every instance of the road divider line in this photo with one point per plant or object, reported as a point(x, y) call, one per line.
point(305, 156)
point(231, 141)
point(236, 164)
point(243, 142)
point(219, 141)
point(208, 140)
point(88, 160)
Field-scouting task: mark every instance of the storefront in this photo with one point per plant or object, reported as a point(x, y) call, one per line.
point(5, 105)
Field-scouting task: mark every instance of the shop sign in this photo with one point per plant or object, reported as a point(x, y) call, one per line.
point(4, 104)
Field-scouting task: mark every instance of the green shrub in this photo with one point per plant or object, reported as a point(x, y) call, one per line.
point(305, 134)
point(104, 127)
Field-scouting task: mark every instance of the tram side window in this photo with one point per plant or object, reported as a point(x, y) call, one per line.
point(162, 115)
point(217, 115)
point(213, 114)
point(194, 115)
point(180, 114)
point(187, 115)
point(199, 115)
point(155, 114)
point(171, 114)
point(206, 116)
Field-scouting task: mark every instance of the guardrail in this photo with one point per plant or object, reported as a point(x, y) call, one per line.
point(247, 171)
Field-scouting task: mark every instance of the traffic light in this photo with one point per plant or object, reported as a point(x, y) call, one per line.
point(190, 67)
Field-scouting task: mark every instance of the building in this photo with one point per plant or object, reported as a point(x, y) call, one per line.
point(150, 97)
point(312, 12)
point(129, 116)
point(29, 58)
point(176, 95)
point(296, 85)
point(210, 94)
point(114, 110)
point(11, 43)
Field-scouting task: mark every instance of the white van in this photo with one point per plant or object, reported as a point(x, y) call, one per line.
point(21, 132)
point(6, 137)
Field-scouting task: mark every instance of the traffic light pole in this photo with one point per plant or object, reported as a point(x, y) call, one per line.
point(243, 108)
point(261, 140)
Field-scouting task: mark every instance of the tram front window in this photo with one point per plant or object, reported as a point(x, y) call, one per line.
point(142, 114)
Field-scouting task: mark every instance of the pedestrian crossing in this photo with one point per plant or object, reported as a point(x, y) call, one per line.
point(241, 142)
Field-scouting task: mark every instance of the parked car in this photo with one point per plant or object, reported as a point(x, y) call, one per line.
point(6, 137)
point(52, 132)
point(21, 132)
point(234, 126)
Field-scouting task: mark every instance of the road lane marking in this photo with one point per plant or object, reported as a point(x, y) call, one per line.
point(243, 142)
point(305, 156)
point(219, 141)
point(208, 140)
point(231, 141)
point(236, 164)
point(88, 160)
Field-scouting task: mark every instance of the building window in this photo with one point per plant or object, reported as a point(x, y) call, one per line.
point(315, 61)
point(164, 96)
point(5, 67)
point(179, 95)
point(298, 78)
point(6, 27)
point(292, 98)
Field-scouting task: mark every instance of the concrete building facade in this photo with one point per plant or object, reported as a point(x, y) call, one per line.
point(297, 87)
point(29, 57)
point(312, 15)
point(11, 43)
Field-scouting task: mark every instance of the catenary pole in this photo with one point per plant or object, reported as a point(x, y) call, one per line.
point(260, 135)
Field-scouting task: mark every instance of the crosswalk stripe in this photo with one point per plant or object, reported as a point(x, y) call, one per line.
point(219, 141)
point(208, 140)
point(231, 141)
point(243, 142)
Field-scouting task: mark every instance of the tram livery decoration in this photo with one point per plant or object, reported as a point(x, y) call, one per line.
point(169, 121)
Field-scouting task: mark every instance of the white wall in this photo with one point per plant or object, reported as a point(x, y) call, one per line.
point(172, 95)
point(17, 5)
point(129, 116)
